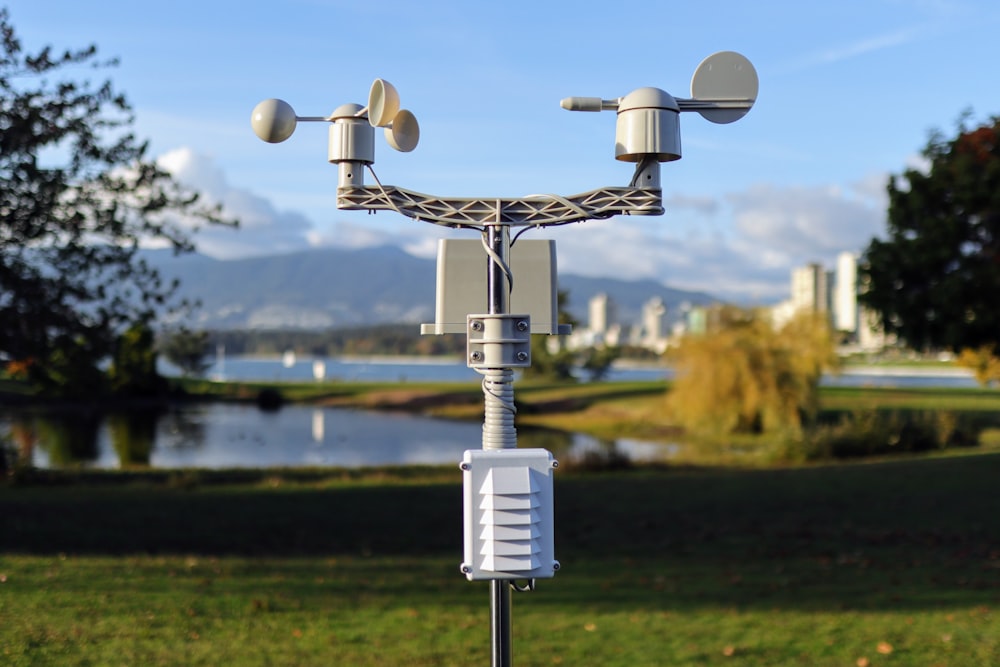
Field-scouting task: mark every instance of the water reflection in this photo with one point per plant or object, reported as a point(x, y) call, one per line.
point(70, 438)
point(180, 429)
point(83, 438)
point(234, 436)
point(318, 426)
point(584, 451)
point(132, 436)
point(224, 435)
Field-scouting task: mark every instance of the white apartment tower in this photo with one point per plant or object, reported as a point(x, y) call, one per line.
point(652, 319)
point(600, 313)
point(845, 293)
point(810, 289)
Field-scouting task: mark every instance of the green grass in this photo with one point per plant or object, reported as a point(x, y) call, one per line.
point(896, 562)
point(912, 398)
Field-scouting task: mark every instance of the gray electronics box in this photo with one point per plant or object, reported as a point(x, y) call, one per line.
point(462, 289)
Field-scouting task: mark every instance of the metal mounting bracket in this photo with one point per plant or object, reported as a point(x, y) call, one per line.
point(498, 341)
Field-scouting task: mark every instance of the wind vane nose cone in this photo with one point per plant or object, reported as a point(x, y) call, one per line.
point(582, 103)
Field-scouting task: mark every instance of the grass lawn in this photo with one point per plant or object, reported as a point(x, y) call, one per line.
point(881, 563)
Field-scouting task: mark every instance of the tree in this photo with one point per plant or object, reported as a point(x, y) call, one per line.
point(597, 361)
point(934, 281)
point(77, 198)
point(553, 364)
point(133, 365)
point(984, 362)
point(746, 376)
point(188, 350)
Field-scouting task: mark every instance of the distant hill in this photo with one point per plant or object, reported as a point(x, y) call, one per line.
point(334, 287)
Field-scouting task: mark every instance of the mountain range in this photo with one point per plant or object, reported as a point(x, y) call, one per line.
point(336, 287)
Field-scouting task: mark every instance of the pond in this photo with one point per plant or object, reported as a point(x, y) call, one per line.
point(222, 435)
point(234, 436)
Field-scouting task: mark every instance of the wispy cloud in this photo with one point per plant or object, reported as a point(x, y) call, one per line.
point(842, 52)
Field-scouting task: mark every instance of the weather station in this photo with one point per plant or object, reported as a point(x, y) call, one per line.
point(507, 491)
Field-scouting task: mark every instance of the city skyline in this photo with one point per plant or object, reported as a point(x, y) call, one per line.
point(812, 287)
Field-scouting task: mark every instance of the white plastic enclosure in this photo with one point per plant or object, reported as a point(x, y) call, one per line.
point(508, 514)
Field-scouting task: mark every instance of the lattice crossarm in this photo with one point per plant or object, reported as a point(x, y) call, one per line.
point(535, 210)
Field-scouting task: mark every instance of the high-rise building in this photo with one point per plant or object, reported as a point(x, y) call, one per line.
point(835, 293)
point(601, 313)
point(845, 293)
point(652, 318)
point(649, 333)
point(810, 288)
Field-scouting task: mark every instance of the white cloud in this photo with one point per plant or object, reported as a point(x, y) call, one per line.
point(773, 230)
point(715, 263)
point(419, 240)
point(703, 205)
point(263, 229)
point(742, 246)
point(800, 224)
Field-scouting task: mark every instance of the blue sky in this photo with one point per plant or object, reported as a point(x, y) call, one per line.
point(848, 94)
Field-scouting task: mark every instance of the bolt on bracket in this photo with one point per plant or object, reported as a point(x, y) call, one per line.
point(498, 341)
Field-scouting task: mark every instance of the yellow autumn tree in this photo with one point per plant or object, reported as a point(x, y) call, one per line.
point(745, 375)
point(984, 362)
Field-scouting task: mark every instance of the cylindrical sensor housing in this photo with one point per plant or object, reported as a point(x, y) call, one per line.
point(648, 125)
point(352, 139)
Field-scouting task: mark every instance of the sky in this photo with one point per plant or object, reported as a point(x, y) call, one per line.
point(849, 94)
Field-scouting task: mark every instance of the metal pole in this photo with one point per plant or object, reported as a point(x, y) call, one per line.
point(498, 239)
point(500, 635)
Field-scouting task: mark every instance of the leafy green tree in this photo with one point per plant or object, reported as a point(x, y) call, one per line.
point(188, 350)
point(746, 376)
point(133, 367)
point(549, 364)
point(597, 361)
point(77, 197)
point(70, 371)
point(934, 281)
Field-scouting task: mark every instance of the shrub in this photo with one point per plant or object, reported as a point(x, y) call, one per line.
point(270, 399)
point(872, 433)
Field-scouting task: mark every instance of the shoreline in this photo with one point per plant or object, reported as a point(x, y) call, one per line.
point(866, 370)
point(907, 371)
